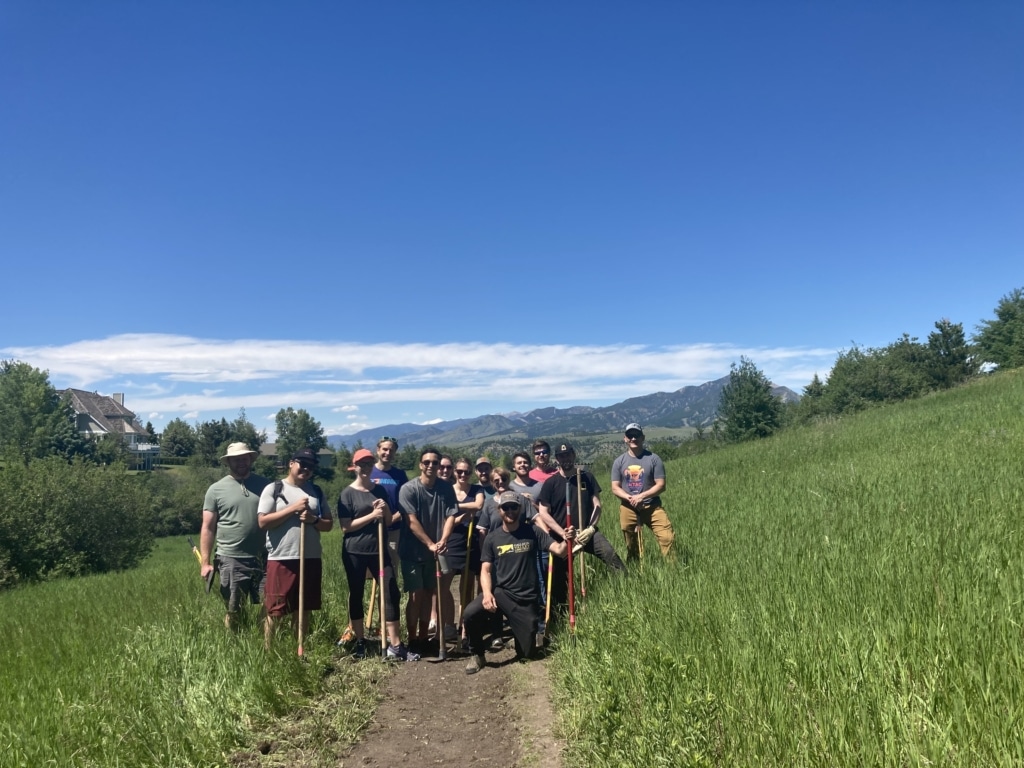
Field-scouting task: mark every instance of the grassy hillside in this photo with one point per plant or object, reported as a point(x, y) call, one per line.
point(136, 669)
point(851, 594)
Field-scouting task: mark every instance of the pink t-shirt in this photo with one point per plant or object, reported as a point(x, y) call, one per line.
point(540, 475)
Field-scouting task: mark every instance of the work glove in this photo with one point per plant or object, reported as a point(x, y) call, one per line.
point(582, 538)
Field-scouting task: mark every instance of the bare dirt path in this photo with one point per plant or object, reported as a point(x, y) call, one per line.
point(435, 714)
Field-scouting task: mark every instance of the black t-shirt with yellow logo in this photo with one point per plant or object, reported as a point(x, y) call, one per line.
point(513, 558)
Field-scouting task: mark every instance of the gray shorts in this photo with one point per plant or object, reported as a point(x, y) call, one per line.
point(240, 576)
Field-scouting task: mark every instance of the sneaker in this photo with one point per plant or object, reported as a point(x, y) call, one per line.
point(451, 634)
point(359, 651)
point(476, 663)
point(401, 653)
point(497, 644)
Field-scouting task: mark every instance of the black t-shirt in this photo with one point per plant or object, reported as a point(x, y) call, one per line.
point(457, 539)
point(552, 494)
point(513, 558)
point(354, 503)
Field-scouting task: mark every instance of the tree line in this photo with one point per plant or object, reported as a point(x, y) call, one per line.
point(864, 377)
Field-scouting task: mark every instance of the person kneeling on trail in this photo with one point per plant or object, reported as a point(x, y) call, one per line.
point(508, 581)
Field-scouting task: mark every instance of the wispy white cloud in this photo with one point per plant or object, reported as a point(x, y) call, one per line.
point(345, 377)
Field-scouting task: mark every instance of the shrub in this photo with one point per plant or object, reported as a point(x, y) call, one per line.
point(60, 519)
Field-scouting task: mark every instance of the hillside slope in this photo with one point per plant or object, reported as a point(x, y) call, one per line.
point(849, 593)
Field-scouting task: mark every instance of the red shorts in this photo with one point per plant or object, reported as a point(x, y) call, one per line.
point(281, 595)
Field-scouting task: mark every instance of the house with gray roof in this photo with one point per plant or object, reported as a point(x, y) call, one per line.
point(97, 415)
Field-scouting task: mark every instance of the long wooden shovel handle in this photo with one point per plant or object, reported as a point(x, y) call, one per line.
point(383, 591)
point(302, 585)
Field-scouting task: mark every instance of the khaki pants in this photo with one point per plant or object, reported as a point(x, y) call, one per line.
point(654, 518)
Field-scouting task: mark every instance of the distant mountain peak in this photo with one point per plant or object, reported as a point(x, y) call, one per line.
point(690, 406)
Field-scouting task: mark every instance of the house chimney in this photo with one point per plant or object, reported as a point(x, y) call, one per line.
point(118, 397)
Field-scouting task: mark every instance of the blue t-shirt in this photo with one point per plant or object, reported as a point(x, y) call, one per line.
point(391, 480)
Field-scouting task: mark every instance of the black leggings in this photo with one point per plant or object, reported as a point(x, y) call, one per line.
point(355, 570)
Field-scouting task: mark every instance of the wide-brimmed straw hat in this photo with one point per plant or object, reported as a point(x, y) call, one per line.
point(237, 449)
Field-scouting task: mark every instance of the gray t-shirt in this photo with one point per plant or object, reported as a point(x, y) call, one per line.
point(490, 517)
point(529, 491)
point(637, 474)
point(431, 506)
point(283, 541)
point(235, 503)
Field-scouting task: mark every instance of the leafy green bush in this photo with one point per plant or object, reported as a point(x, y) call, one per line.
point(60, 519)
point(176, 505)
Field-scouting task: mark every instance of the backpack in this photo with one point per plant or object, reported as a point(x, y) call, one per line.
point(279, 487)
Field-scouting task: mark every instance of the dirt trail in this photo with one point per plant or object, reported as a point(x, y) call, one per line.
point(435, 714)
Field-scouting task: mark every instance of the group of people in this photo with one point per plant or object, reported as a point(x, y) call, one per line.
point(507, 536)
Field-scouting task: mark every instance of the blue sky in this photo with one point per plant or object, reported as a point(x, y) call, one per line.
point(389, 212)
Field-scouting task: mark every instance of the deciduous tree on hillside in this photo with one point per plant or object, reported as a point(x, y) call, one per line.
point(178, 438)
point(297, 429)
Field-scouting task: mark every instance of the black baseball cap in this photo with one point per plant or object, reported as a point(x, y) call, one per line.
point(305, 454)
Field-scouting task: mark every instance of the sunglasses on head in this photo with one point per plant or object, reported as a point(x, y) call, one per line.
point(387, 439)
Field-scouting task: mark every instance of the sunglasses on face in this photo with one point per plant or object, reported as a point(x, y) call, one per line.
point(509, 507)
point(305, 465)
point(634, 436)
point(430, 463)
point(461, 472)
point(541, 453)
point(446, 467)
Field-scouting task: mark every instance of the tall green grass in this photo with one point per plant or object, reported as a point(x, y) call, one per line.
point(850, 593)
point(136, 669)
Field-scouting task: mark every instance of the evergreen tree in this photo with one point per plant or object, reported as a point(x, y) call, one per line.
point(212, 437)
point(241, 430)
point(35, 421)
point(1001, 341)
point(951, 359)
point(747, 406)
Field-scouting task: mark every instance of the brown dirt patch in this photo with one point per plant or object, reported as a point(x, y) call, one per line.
point(436, 714)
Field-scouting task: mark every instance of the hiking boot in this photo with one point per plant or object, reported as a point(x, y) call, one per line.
point(497, 644)
point(451, 634)
point(359, 652)
point(475, 664)
point(401, 653)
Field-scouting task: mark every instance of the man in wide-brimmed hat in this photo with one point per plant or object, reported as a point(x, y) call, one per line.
point(229, 518)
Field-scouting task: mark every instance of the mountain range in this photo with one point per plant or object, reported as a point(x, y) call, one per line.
point(693, 406)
